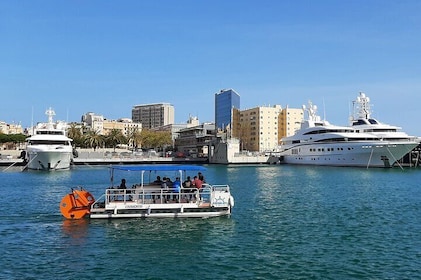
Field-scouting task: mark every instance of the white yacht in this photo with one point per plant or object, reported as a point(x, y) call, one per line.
point(318, 142)
point(49, 148)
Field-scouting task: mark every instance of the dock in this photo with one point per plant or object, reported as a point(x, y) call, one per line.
point(87, 157)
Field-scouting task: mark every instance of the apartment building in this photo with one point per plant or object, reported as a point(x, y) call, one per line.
point(290, 121)
point(258, 128)
point(153, 115)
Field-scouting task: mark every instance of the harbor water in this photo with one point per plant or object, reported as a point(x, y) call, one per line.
point(289, 222)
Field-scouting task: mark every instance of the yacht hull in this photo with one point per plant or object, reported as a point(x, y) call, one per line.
point(49, 158)
point(369, 154)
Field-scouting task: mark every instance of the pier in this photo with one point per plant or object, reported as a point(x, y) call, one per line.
point(9, 158)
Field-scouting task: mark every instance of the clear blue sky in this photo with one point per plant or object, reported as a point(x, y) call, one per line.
point(107, 56)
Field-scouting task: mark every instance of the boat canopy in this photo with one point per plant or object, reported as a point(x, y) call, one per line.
point(158, 167)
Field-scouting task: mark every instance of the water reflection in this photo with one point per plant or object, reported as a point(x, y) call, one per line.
point(77, 230)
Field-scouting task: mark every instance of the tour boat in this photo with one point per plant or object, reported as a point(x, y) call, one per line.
point(49, 148)
point(149, 198)
point(370, 144)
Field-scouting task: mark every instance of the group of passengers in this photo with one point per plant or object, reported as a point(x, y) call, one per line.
point(176, 185)
point(188, 186)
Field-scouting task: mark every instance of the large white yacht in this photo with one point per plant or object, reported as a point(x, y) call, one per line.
point(49, 148)
point(318, 142)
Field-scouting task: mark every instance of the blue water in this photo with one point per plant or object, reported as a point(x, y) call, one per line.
point(289, 222)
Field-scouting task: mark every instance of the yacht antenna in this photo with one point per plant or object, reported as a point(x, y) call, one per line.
point(349, 112)
point(32, 120)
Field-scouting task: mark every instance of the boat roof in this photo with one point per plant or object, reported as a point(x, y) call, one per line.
point(158, 167)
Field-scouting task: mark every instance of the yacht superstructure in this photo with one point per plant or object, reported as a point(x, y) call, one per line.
point(49, 148)
point(362, 122)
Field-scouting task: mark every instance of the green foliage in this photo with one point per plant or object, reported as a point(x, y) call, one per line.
point(135, 138)
point(93, 139)
point(115, 137)
point(75, 133)
point(12, 138)
point(155, 139)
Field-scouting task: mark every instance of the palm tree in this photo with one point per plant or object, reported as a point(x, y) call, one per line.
point(74, 132)
point(93, 139)
point(116, 137)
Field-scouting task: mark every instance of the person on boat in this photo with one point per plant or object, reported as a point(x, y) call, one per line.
point(169, 182)
point(121, 187)
point(197, 182)
point(176, 185)
point(164, 184)
point(122, 184)
point(201, 177)
point(158, 180)
point(188, 182)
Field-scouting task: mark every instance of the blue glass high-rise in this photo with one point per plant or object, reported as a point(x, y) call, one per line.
point(225, 100)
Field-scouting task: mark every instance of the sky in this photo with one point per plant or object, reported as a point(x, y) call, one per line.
point(107, 56)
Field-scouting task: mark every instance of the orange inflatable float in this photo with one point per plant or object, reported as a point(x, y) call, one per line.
point(76, 204)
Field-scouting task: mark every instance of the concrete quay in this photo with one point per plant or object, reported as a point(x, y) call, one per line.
point(103, 157)
point(89, 157)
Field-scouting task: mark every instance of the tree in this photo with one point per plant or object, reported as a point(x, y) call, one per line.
point(75, 133)
point(115, 137)
point(135, 138)
point(163, 139)
point(155, 139)
point(12, 139)
point(147, 139)
point(93, 139)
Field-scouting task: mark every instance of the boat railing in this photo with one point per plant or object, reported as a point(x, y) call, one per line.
point(151, 195)
point(157, 195)
point(99, 203)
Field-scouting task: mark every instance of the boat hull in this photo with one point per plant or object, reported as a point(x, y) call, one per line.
point(180, 212)
point(368, 154)
point(49, 158)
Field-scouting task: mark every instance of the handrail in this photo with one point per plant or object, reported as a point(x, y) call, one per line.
point(147, 195)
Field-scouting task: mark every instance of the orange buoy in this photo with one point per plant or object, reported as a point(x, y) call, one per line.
point(76, 204)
